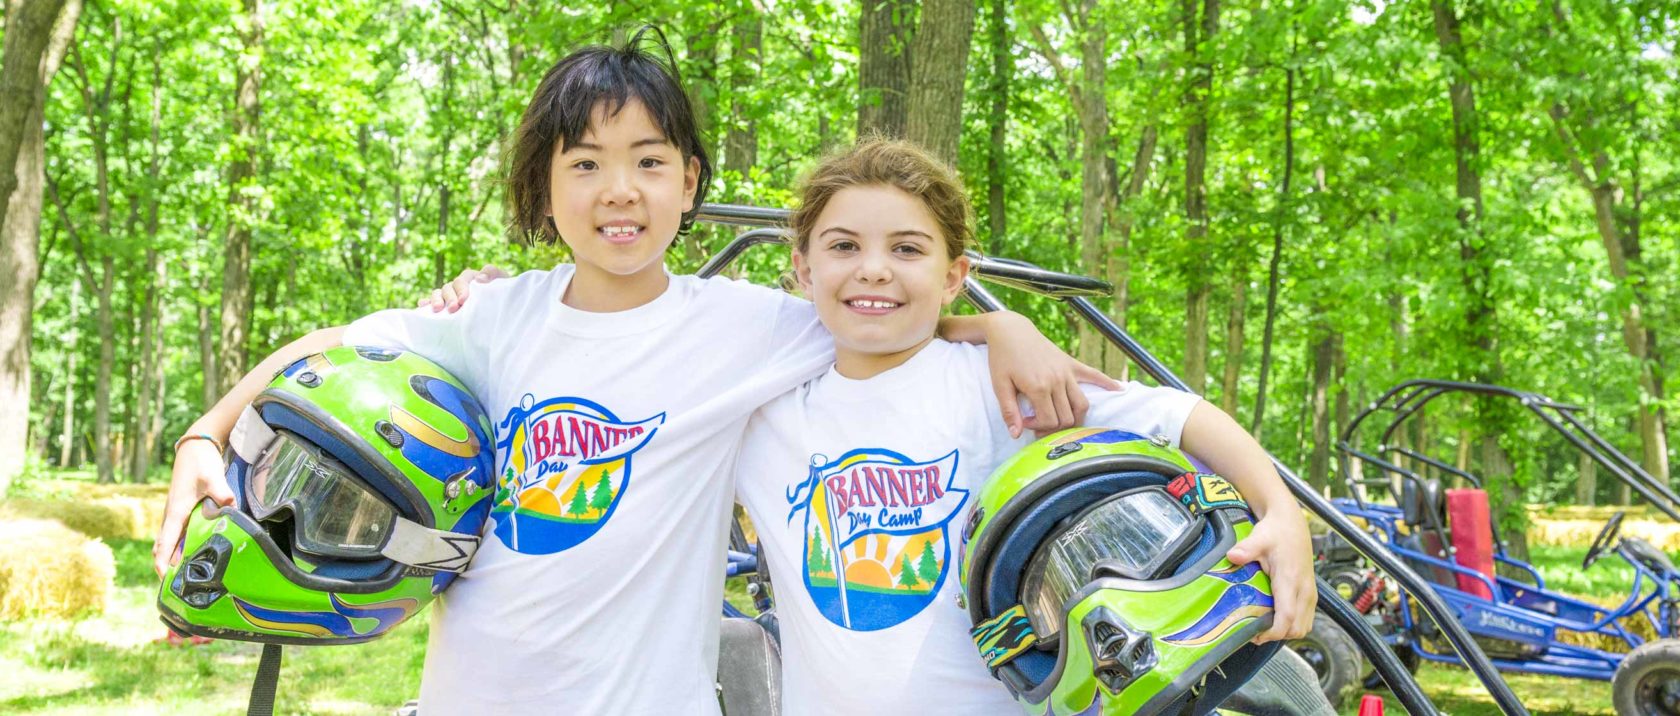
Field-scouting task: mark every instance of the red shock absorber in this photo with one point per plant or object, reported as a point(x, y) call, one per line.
point(1368, 596)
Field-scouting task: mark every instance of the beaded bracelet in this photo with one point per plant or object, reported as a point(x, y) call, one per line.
point(197, 436)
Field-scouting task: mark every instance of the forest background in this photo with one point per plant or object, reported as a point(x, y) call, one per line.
point(1299, 202)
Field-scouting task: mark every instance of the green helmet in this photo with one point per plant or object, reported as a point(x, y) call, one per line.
point(1094, 571)
point(362, 478)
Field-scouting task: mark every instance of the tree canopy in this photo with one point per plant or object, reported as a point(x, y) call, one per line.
point(1300, 202)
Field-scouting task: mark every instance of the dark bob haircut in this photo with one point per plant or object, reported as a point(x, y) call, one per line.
point(559, 114)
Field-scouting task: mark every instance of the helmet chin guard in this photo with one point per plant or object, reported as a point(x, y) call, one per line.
point(1095, 575)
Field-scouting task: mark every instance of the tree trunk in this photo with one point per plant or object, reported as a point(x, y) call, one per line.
point(1462, 462)
point(1324, 356)
point(207, 363)
point(67, 435)
point(1624, 253)
point(1119, 269)
point(1586, 484)
point(1273, 275)
point(1199, 29)
point(938, 70)
point(1093, 160)
point(151, 343)
point(884, 30)
point(102, 455)
point(1492, 418)
point(740, 146)
point(37, 34)
point(1340, 415)
point(97, 110)
point(29, 30)
point(1235, 318)
point(235, 325)
point(997, 121)
point(1496, 469)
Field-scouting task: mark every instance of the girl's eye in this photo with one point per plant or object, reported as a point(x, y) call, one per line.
point(909, 249)
point(651, 162)
point(586, 165)
point(843, 246)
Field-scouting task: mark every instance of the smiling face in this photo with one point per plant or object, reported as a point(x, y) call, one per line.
point(876, 267)
point(617, 199)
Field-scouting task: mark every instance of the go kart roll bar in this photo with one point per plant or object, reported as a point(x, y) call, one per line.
point(1409, 397)
point(1074, 290)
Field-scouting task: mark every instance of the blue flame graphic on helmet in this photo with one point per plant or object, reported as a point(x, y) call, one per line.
point(333, 623)
point(1236, 575)
point(437, 454)
point(1238, 603)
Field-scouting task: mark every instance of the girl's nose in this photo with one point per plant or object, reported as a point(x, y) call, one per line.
point(873, 267)
point(620, 189)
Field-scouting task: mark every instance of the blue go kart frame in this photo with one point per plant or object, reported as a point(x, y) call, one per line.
point(1518, 621)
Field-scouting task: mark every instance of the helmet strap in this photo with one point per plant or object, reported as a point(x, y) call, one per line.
point(1204, 492)
point(250, 436)
point(1004, 637)
point(418, 546)
point(264, 686)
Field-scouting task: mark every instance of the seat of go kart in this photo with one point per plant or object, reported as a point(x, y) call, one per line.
point(1422, 510)
point(1648, 555)
point(749, 674)
point(1421, 505)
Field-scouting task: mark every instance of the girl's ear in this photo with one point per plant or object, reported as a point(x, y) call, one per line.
point(802, 272)
point(691, 183)
point(955, 275)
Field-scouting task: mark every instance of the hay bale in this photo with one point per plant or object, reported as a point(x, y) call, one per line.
point(112, 517)
point(47, 569)
point(1580, 532)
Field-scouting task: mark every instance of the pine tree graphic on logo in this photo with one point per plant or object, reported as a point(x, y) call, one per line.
point(566, 465)
point(876, 526)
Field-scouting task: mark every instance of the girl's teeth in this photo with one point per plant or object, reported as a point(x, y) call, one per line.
point(874, 304)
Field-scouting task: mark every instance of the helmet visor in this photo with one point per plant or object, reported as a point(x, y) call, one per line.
point(1134, 534)
point(334, 513)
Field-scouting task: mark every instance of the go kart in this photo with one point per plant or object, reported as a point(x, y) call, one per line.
point(1448, 537)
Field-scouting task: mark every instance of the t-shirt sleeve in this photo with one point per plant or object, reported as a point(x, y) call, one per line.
point(1141, 409)
point(1137, 408)
point(441, 337)
point(798, 341)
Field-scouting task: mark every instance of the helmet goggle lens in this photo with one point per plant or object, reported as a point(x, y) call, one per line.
point(335, 515)
point(1134, 534)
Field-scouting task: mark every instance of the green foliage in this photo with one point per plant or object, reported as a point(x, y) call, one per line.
point(384, 128)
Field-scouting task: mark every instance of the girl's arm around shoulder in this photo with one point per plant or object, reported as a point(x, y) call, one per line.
point(198, 470)
point(1280, 541)
point(1023, 362)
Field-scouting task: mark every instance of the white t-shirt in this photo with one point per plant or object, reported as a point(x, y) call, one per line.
point(874, 479)
point(597, 588)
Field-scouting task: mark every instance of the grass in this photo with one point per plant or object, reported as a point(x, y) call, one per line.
point(113, 663)
point(1457, 692)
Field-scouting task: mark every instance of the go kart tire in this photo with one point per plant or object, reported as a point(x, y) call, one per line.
point(1332, 655)
point(1647, 683)
point(1373, 680)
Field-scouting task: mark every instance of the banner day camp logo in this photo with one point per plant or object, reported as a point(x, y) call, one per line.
point(566, 463)
point(876, 529)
